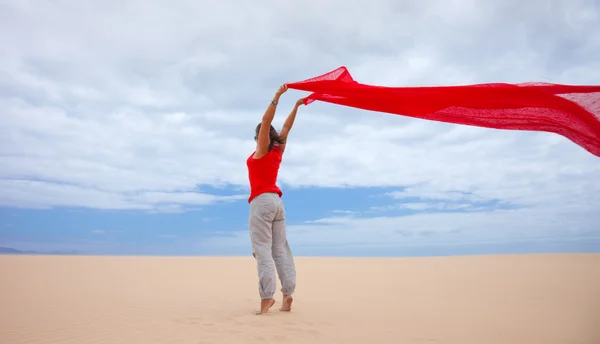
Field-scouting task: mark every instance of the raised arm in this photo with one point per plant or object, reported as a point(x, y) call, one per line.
point(288, 124)
point(263, 138)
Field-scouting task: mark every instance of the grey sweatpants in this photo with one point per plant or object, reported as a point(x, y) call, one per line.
point(269, 243)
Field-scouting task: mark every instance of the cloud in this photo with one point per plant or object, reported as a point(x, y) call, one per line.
point(42, 195)
point(146, 106)
point(438, 229)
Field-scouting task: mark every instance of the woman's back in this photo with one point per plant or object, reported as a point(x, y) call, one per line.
point(263, 173)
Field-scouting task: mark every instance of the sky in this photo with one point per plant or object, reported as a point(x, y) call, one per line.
point(125, 126)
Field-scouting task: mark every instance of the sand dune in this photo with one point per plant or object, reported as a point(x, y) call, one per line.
point(529, 299)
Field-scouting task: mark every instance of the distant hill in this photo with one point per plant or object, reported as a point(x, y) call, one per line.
point(10, 250)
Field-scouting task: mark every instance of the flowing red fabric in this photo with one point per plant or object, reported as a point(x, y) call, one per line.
point(572, 111)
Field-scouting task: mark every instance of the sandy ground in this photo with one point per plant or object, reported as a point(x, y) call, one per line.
point(529, 299)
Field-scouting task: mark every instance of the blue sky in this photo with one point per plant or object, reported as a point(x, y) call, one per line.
point(125, 128)
point(222, 229)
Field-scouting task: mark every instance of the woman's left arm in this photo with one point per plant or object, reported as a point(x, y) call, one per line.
point(288, 124)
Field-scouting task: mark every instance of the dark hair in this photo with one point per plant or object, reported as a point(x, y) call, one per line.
point(273, 135)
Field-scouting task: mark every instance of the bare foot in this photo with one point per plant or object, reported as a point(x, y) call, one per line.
point(287, 303)
point(265, 305)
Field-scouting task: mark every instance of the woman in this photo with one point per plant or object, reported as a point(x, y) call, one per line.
point(267, 214)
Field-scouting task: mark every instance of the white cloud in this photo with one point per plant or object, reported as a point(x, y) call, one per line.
point(41, 194)
point(540, 224)
point(131, 105)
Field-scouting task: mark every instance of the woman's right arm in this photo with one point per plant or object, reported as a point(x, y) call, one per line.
point(263, 138)
point(288, 124)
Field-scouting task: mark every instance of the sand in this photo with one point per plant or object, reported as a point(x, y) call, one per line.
point(529, 299)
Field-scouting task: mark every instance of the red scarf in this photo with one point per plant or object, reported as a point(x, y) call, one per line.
point(568, 110)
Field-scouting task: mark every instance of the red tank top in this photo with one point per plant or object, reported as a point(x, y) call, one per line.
point(263, 172)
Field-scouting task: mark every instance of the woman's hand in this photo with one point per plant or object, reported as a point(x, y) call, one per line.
point(281, 90)
point(300, 102)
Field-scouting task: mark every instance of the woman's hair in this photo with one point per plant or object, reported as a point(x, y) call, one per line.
point(273, 135)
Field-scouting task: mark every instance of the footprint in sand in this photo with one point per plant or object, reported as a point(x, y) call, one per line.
point(292, 328)
point(313, 332)
point(280, 338)
point(190, 320)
